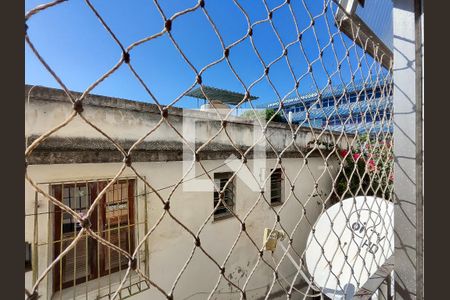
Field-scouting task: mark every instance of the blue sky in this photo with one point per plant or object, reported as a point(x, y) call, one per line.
point(80, 50)
point(381, 22)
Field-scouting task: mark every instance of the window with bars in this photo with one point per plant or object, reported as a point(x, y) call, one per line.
point(276, 187)
point(112, 219)
point(335, 120)
point(354, 98)
point(27, 257)
point(355, 119)
point(328, 102)
point(221, 210)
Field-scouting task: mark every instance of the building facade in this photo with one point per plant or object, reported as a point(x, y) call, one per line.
point(360, 107)
point(76, 163)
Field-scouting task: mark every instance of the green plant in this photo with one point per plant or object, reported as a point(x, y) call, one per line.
point(367, 170)
point(262, 114)
point(276, 118)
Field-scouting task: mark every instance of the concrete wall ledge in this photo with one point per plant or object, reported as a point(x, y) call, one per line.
point(55, 150)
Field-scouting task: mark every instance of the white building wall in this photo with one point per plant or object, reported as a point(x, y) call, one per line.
point(170, 246)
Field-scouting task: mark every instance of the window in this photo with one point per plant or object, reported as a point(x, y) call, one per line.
point(355, 119)
point(328, 102)
point(334, 120)
point(354, 98)
point(378, 94)
point(27, 257)
point(362, 97)
point(220, 180)
point(112, 219)
point(276, 187)
point(344, 99)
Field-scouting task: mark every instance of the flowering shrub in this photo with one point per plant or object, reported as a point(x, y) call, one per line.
point(367, 170)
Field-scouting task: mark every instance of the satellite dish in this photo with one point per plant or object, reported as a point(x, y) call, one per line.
point(348, 244)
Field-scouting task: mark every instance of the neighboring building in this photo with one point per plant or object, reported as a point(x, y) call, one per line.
point(361, 107)
point(75, 163)
point(220, 100)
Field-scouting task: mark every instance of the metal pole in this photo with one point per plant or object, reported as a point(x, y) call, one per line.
point(408, 187)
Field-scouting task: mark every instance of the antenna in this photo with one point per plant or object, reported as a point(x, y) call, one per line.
point(350, 241)
point(270, 241)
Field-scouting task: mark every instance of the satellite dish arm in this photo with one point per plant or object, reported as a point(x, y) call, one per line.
point(299, 268)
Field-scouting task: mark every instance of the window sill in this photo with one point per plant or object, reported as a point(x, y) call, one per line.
point(222, 217)
point(278, 203)
point(103, 287)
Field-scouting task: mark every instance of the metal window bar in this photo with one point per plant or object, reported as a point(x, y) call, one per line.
point(276, 186)
point(223, 206)
point(80, 275)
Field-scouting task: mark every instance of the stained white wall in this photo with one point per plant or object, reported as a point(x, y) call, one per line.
point(170, 246)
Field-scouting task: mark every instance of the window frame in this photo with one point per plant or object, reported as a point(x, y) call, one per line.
point(28, 257)
point(95, 252)
point(231, 187)
point(279, 172)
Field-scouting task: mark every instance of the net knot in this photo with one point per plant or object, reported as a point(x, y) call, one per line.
point(167, 205)
point(127, 160)
point(78, 106)
point(85, 222)
point(126, 57)
point(133, 263)
point(168, 25)
point(165, 113)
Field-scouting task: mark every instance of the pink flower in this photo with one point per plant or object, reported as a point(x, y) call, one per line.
point(371, 166)
point(356, 156)
point(343, 153)
point(391, 176)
